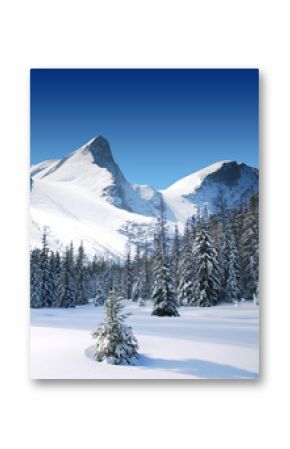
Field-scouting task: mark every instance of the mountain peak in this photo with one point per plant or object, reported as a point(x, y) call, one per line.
point(98, 140)
point(100, 149)
point(85, 196)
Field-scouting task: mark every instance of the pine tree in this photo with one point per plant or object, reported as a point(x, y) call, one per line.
point(237, 228)
point(107, 278)
point(175, 260)
point(115, 342)
point(232, 291)
point(35, 279)
point(51, 279)
point(57, 280)
point(45, 291)
point(224, 253)
point(221, 207)
point(219, 227)
point(164, 302)
point(81, 277)
point(137, 282)
point(206, 269)
point(186, 283)
point(146, 273)
point(250, 242)
point(69, 289)
point(127, 288)
point(100, 294)
point(117, 277)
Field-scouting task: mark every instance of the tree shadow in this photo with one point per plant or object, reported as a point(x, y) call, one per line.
point(197, 368)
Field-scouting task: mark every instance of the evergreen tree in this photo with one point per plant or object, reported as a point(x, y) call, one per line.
point(35, 279)
point(51, 281)
point(57, 280)
point(175, 260)
point(69, 289)
point(128, 281)
point(232, 291)
point(206, 269)
point(219, 231)
point(100, 294)
point(186, 283)
point(221, 207)
point(250, 242)
point(117, 277)
point(45, 290)
point(107, 278)
point(72, 271)
point(81, 277)
point(115, 342)
point(146, 274)
point(237, 228)
point(164, 302)
point(137, 283)
point(224, 251)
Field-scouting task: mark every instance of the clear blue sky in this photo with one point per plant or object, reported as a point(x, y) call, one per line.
point(162, 124)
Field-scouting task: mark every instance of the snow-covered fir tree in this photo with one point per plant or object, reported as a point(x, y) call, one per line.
point(57, 280)
point(206, 269)
point(221, 207)
point(146, 273)
point(116, 279)
point(128, 278)
point(236, 219)
point(100, 293)
point(164, 301)
point(137, 281)
point(175, 260)
point(224, 260)
point(35, 279)
point(250, 243)
point(81, 277)
point(68, 280)
point(232, 290)
point(51, 281)
point(45, 290)
point(115, 342)
point(72, 267)
point(186, 278)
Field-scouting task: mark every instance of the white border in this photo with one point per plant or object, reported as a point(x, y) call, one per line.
point(144, 34)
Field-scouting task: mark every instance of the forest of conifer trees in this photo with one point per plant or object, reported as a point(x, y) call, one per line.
point(215, 259)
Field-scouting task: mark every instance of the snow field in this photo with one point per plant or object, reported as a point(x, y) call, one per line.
point(203, 343)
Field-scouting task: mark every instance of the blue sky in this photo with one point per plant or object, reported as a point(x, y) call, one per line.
point(162, 124)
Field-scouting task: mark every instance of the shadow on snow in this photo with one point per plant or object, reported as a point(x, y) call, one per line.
point(192, 367)
point(198, 368)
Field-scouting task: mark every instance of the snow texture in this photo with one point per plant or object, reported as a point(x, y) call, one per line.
point(203, 343)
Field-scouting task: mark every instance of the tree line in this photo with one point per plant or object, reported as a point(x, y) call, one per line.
point(214, 259)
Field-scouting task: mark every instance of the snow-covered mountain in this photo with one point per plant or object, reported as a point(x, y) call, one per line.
point(227, 178)
point(85, 197)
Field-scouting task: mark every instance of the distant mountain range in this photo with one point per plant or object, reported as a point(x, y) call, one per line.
point(85, 197)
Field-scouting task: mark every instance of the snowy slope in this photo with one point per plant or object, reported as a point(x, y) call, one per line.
point(202, 343)
point(73, 213)
point(39, 170)
point(85, 197)
point(234, 181)
point(93, 168)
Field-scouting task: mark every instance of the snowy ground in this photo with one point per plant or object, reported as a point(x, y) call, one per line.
point(212, 343)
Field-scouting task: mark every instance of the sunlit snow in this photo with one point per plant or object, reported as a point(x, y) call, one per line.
point(203, 343)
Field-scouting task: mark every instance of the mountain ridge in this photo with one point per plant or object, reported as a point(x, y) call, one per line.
point(85, 196)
